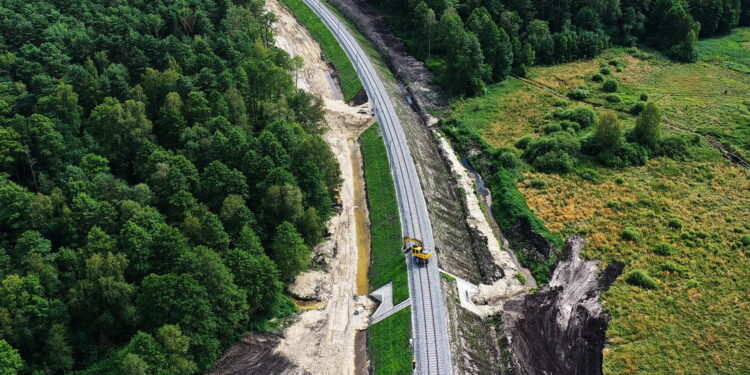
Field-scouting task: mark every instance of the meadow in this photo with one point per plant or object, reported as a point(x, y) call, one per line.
point(682, 223)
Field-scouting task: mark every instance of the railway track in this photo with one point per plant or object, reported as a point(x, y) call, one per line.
point(429, 320)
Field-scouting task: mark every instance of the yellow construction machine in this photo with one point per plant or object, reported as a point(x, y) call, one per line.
point(417, 250)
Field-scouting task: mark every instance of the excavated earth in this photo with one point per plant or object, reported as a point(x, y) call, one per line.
point(561, 329)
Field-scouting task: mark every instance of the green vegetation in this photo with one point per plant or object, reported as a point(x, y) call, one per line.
point(448, 277)
point(350, 83)
point(389, 344)
point(676, 219)
point(387, 261)
point(641, 278)
point(161, 179)
point(468, 45)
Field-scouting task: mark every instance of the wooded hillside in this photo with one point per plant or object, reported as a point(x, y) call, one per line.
point(160, 180)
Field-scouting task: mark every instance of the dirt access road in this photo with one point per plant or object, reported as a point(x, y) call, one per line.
point(322, 340)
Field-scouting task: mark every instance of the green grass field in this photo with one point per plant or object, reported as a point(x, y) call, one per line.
point(350, 83)
point(685, 223)
point(386, 261)
point(389, 344)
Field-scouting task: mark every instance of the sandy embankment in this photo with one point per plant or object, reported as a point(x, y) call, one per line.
point(323, 341)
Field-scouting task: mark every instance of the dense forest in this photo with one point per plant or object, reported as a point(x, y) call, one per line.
point(161, 179)
point(482, 41)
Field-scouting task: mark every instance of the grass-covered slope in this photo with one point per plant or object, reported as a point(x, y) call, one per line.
point(679, 224)
point(389, 344)
point(387, 261)
point(350, 83)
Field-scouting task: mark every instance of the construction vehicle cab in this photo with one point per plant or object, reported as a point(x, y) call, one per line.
point(420, 254)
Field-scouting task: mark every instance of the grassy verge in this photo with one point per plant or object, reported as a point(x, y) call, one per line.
point(387, 262)
point(389, 344)
point(682, 223)
point(350, 83)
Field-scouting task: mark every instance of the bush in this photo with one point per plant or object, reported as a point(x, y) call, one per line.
point(637, 108)
point(579, 94)
point(664, 249)
point(630, 234)
point(619, 180)
point(675, 224)
point(523, 142)
point(629, 154)
point(615, 205)
point(538, 183)
point(553, 153)
point(583, 116)
point(555, 161)
point(610, 85)
point(551, 128)
point(508, 159)
point(561, 103)
point(674, 147)
point(597, 77)
point(590, 175)
point(745, 240)
point(615, 63)
point(640, 278)
point(605, 71)
point(644, 97)
point(570, 125)
point(613, 98)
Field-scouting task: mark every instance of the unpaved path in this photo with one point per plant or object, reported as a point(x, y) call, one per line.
point(323, 341)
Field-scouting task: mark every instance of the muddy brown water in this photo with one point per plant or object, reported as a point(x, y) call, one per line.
point(360, 218)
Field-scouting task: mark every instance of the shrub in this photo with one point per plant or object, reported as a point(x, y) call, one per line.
point(561, 103)
point(521, 278)
point(616, 63)
point(613, 98)
point(693, 283)
point(637, 108)
point(610, 85)
point(570, 125)
point(640, 278)
point(745, 240)
point(551, 128)
point(523, 142)
point(629, 154)
point(674, 147)
point(590, 175)
point(597, 77)
point(619, 180)
point(583, 116)
point(644, 97)
point(553, 153)
point(555, 161)
point(538, 183)
point(605, 71)
point(664, 249)
point(508, 159)
point(630, 234)
point(615, 205)
point(675, 224)
point(579, 94)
